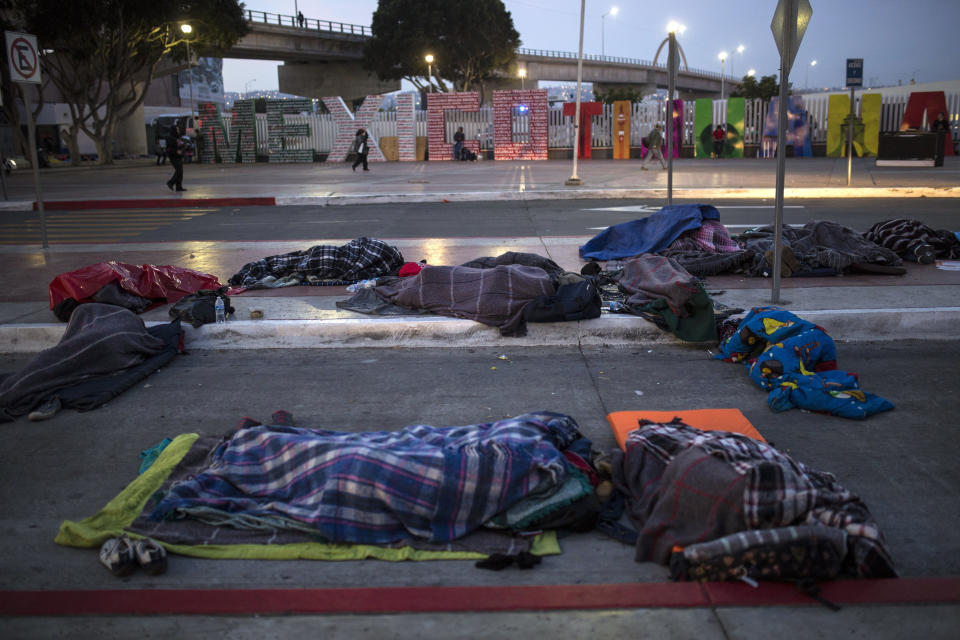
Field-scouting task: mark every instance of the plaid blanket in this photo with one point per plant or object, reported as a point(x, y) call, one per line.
point(494, 296)
point(359, 259)
point(689, 486)
point(650, 277)
point(711, 237)
point(433, 483)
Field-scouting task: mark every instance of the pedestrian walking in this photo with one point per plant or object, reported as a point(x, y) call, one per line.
point(175, 153)
point(361, 146)
point(654, 148)
point(300, 18)
point(718, 138)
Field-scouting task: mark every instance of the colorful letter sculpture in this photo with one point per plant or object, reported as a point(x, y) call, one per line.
point(406, 127)
point(347, 125)
point(279, 132)
point(798, 133)
point(733, 145)
point(437, 106)
point(621, 130)
point(933, 102)
point(703, 127)
point(587, 111)
point(242, 140)
point(534, 102)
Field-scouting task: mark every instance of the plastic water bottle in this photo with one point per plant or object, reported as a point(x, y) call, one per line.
point(218, 309)
point(616, 306)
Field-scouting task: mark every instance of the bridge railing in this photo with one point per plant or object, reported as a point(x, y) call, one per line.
point(569, 55)
point(311, 24)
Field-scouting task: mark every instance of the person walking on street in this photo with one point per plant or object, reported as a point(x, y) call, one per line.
point(361, 147)
point(175, 153)
point(458, 139)
point(654, 147)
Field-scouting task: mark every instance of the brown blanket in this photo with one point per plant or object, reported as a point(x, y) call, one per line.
point(494, 296)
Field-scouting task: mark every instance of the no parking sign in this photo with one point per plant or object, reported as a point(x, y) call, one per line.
point(23, 57)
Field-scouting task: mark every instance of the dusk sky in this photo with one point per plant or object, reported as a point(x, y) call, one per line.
point(898, 40)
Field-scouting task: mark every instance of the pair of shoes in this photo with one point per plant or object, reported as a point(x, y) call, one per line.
point(789, 264)
point(121, 556)
point(46, 410)
point(180, 189)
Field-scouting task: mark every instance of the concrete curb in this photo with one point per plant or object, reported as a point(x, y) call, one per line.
point(750, 193)
point(861, 325)
point(703, 195)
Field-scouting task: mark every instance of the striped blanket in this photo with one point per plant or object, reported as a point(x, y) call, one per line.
point(375, 488)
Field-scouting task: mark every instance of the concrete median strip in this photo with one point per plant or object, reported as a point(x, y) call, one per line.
point(858, 325)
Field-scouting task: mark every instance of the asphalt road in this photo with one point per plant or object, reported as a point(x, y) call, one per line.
point(446, 220)
point(901, 463)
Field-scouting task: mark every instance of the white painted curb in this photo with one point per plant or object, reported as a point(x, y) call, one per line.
point(860, 325)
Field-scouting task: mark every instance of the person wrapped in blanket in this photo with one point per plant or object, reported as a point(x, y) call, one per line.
point(796, 362)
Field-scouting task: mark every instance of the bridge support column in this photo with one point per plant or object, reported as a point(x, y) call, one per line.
point(348, 80)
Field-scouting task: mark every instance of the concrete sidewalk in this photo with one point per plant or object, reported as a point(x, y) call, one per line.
point(141, 184)
point(923, 304)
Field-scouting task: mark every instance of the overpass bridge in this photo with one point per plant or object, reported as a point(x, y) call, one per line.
point(324, 58)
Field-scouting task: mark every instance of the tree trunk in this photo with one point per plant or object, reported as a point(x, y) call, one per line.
point(104, 144)
point(73, 146)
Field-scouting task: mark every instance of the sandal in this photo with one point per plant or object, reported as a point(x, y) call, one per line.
point(151, 556)
point(117, 555)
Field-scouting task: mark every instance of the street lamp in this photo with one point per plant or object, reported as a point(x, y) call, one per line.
point(187, 30)
point(429, 59)
point(523, 74)
point(752, 72)
point(806, 75)
point(723, 59)
point(574, 180)
point(612, 12)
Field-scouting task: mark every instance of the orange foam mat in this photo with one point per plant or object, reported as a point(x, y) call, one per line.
point(623, 422)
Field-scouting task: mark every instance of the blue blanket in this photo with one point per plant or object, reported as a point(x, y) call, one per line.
point(647, 235)
point(375, 488)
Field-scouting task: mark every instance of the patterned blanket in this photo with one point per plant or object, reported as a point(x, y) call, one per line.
point(494, 296)
point(359, 259)
point(433, 483)
point(689, 486)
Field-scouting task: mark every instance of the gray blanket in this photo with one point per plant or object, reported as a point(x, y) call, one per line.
point(99, 339)
point(491, 296)
point(818, 244)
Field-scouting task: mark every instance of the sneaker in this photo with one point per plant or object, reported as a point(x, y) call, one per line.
point(117, 555)
point(180, 189)
point(46, 410)
point(151, 557)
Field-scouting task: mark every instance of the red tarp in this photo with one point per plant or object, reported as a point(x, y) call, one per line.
point(165, 284)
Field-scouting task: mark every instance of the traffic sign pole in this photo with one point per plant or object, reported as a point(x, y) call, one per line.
point(25, 70)
point(788, 33)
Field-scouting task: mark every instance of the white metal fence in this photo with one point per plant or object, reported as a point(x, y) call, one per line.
point(478, 125)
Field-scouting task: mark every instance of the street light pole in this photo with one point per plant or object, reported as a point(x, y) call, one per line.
point(612, 12)
point(671, 87)
point(574, 180)
point(187, 29)
point(429, 59)
point(723, 59)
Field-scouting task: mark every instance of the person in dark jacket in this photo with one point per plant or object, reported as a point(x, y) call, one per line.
point(361, 147)
point(175, 153)
point(458, 139)
point(719, 136)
